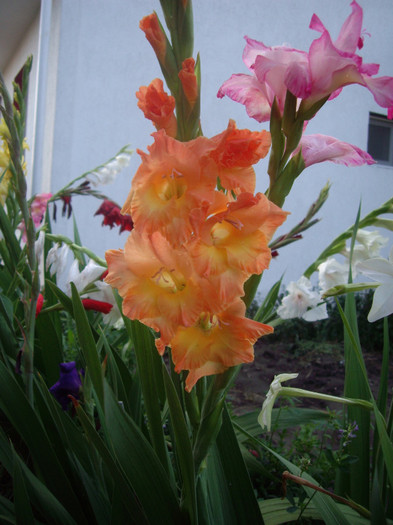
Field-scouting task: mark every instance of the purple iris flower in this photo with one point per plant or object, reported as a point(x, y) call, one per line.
point(69, 383)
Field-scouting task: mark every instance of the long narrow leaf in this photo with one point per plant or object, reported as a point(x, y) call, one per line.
point(18, 410)
point(88, 345)
point(135, 514)
point(238, 481)
point(141, 465)
point(183, 448)
point(146, 355)
point(383, 382)
point(23, 511)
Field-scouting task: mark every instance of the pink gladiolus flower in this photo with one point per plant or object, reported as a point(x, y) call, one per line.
point(312, 76)
point(319, 148)
point(37, 209)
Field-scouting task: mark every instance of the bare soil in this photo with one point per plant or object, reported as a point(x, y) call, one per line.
point(321, 368)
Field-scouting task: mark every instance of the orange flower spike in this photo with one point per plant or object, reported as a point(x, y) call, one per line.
point(189, 81)
point(154, 33)
point(158, 106)
point(235, 153)
point(237, 238)
point(171, 181)
point(157, 283)
point(216, 342)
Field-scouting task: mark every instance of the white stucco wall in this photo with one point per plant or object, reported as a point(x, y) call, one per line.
point(103, 59)
point(27, 46)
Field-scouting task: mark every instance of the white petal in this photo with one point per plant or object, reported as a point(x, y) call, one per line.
point(378, 269)
point(316, 314)
point(382, 303)
point(265, 415)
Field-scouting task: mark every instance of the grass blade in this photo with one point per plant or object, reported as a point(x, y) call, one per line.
point(88, 346)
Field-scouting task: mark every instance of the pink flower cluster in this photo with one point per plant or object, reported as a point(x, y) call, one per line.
point(322, 72)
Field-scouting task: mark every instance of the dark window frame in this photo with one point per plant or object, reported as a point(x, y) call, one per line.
point(381, 121)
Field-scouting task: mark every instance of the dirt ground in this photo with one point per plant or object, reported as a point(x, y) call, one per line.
point(320, 367)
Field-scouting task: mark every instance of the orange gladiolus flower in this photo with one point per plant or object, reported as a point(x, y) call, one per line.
point(158, 283)
point(238, 237)
point(158, 106)
point(217, 341)
point(154, 33)
point(172, 181)
point(189, 81)
point(236, 150)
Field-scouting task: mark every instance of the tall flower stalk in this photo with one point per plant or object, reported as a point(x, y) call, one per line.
point(15, 121)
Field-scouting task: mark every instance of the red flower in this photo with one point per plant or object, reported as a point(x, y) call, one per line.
point(112, 216)
point(40, 302)
point(97, 306)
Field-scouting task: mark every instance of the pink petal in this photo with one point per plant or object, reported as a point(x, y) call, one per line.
point(382, 90)
point(316, 24)
point(283, 68)
point(348, 39)
point(350, 33)
point(320, 148)
point(297, 79)
point(252, 50)
point(248, 91)
point(331, 69)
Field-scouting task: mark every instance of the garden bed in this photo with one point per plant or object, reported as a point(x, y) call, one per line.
point(320, 367)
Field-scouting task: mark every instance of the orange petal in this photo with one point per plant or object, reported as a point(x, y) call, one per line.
point(216, 342)
point(169, 184)
point(235, 152)
point(158, 106)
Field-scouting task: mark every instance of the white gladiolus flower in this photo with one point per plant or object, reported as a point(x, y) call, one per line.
point(106, 174)
point(56, 259)
point(39, 244)
point(302, 301)
point(265, 416)
point(332, 273)
point(380, 270)
point(89, 274)
point(368, 245)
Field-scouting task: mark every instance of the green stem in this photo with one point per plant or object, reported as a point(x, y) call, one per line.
point(32, 289)
point(299, 392)
point(76, 247)
point(211, 414)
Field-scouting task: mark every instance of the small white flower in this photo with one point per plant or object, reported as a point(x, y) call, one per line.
point(89, 274)
point(332, 273)
point(39, 244)
point(265, 415)
point(380, 270)
point(302, 301)
point(106, 174)
point(368, 245)
point(56, 259)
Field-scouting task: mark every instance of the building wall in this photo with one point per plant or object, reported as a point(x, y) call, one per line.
point(27, 46)
point(103, 58)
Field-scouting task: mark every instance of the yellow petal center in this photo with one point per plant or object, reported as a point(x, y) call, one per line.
point(171, 186)
point(169, 280)
point(207, 321)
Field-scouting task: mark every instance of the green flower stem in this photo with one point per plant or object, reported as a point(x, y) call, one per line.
point(56, 196)
point(299, 392)
point(211, 414)
point(76, 248)
point(338, 243)
point(32, 289)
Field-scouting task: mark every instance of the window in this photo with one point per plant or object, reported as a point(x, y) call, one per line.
point(380, 139)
